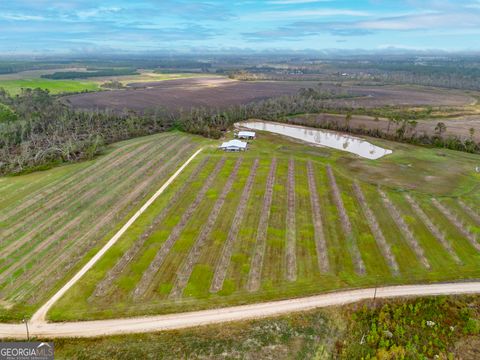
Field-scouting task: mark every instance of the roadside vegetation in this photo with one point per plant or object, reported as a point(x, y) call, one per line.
point(424, 328)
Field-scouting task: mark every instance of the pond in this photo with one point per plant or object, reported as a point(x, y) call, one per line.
point(331, 139)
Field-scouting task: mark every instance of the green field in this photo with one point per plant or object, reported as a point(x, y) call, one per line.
point(51, 221)
point(281, 220)
point(14, 87)
point(199, 245)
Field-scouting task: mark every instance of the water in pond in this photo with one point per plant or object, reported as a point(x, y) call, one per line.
point(326, 138)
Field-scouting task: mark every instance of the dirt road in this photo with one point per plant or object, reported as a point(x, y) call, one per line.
point(41, 313)
point(237, 313)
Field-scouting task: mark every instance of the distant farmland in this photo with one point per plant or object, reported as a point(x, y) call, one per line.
point(50, 220)
point(218, 93)
point(54, 86)
point(279, 221)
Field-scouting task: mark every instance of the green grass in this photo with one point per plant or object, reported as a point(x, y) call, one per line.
point(71, 209)
point(420, 171)
point(274, 284)
point(306, 250)
point(14, 87)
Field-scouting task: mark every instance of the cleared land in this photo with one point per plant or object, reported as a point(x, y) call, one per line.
point(456, 126)
point(221, 92)
point(14, 83)
point(221, 239)
point(51, 222)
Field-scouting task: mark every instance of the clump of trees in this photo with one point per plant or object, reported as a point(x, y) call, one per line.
point(282, 109)
point(317, 93)
point(114, 84)
point(7, 114)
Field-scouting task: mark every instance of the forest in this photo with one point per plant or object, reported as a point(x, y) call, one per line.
point(62, 75)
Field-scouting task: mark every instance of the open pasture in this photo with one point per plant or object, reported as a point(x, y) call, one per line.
point(14, 87)
point(50, 221)
point(280, 220)
point(222, 92)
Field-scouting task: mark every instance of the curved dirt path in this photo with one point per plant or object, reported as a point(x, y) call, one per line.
point(40, 315)
point(236, 313)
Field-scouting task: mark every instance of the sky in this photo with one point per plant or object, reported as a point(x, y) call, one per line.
point(142, 26)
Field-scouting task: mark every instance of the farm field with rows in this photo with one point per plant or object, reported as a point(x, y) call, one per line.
point(51, 221)
point(283, 220)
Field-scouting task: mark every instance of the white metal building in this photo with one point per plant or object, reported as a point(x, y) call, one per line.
point(234, 145)
point(249, 135)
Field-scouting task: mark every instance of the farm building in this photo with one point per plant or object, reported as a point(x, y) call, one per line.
point(248, 135)
point(234, 145)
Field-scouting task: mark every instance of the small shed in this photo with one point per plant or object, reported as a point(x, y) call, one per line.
point(248, 135)
point(234, 145)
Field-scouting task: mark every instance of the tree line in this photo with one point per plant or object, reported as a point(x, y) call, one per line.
point(48, 132)
point(63, 75)
point(45, 131)
point(213, 124)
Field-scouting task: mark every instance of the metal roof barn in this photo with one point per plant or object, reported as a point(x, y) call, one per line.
point(246, 135)
point(234, 145)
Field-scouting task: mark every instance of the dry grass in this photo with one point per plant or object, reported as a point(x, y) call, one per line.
point(376, 230)
point(290, 253)
point(183, 275)
point(346, 224)
point(439, 235)
point(320, 241)
point(405, 229)
point(255, 274)
point(157, 262)
point(224, 260)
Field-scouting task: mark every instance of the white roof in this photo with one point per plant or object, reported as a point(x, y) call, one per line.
point(246, 133)
point(234, 143)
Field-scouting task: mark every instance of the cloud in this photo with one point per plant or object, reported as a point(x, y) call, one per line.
point(294, 2)
point(198, 10)
point(216, 23)
point(288, 14)
point(303, 29)
point(94, 12)
point(431, 20)
point(423, 21)
point(21, 17)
